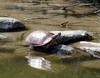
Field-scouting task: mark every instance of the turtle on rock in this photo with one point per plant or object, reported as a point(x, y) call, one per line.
point(46, 41)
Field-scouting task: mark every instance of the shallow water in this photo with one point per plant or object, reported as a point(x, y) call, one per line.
point(13, 63)
point(17, 67)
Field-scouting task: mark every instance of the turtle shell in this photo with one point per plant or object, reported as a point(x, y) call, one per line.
point(39, 38)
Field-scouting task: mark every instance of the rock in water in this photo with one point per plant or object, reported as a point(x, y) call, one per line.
point(10, 24)
point(90, 47)
point(64, 51)
point(73, 36)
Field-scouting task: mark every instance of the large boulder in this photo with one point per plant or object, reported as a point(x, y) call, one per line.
point(10, 24)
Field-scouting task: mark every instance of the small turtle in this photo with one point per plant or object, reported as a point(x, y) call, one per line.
point(40, 38)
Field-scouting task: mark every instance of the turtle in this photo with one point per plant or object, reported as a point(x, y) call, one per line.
point(46, 41)
point(40, 38)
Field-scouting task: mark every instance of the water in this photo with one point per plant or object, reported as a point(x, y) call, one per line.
point(13, 63)
point(17, 67)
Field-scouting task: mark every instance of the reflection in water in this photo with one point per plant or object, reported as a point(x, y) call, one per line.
point(63, 68)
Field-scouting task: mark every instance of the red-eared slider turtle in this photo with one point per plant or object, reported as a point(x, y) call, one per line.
point(48, 42)
point(40, 38)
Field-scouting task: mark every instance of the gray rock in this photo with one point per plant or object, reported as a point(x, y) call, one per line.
point(65, 51)
point(10, 24)
point(92, 48)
